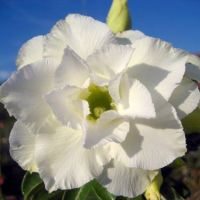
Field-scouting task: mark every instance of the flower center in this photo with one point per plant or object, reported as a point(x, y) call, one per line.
point(99, 101)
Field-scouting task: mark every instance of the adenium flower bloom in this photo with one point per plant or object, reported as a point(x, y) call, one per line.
point(91, 104)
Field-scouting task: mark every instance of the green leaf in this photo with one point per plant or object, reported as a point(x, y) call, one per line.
point(30, 182)
point(138, 198)
point(177, 163)
point(191, 122)
point(77, 194)
point(42, 194)
point(101, 192)
point(135, 198)
point(33, 189)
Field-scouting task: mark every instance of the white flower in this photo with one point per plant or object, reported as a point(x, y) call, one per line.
point(90, 104)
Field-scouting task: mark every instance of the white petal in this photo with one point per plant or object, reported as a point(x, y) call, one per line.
point(166, 144)
point(158, 65)
point(87, 40)
point(129, 37)
point(128, 182)
point(30, 52)
point(67, 105)
point(193, 68)
point(162, 136)
point(83, 34)
point(22, 146)
point(62, 161)
point(185, 97)
point(119, 89)
point(110, 60)
point(110, 127)
point(140, 102)
point(56, 41)
point(22, 94)
point(132, 97)
point(72, 70)
point(59, 157)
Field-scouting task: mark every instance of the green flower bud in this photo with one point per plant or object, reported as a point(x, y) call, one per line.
point(118, 17)
point(153, 190)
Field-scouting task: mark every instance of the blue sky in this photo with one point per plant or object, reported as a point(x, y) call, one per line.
point(176, 21)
